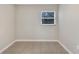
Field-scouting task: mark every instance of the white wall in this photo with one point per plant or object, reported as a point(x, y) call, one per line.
point(7, 27)
point(69, 26)
point(28, 25)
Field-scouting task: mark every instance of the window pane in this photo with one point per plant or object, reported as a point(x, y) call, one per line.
point(47, 21)
point(47, 14)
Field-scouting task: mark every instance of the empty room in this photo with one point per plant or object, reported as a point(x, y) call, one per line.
point(39, 29)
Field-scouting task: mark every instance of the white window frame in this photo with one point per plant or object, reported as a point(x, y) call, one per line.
point(54, 17)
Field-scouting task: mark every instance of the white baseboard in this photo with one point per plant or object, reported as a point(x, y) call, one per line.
point(7, 46)
point(35, 40)
point(65, 47)
point(20, 40)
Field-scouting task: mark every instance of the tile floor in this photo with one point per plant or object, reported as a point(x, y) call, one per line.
point(35, 48)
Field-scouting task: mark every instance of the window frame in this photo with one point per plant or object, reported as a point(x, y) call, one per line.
point(54, 17)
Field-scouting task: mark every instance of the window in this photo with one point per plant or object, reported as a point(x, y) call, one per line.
point(48, 18)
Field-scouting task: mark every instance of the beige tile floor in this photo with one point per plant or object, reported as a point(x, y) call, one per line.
point(35, 48)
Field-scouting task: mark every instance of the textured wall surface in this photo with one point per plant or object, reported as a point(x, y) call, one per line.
point(28, 25)
point(7, 25)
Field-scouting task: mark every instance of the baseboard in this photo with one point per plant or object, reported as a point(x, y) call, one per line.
point(20, 40)
point(65, 47)
point(7, 46)
point(35, 40)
